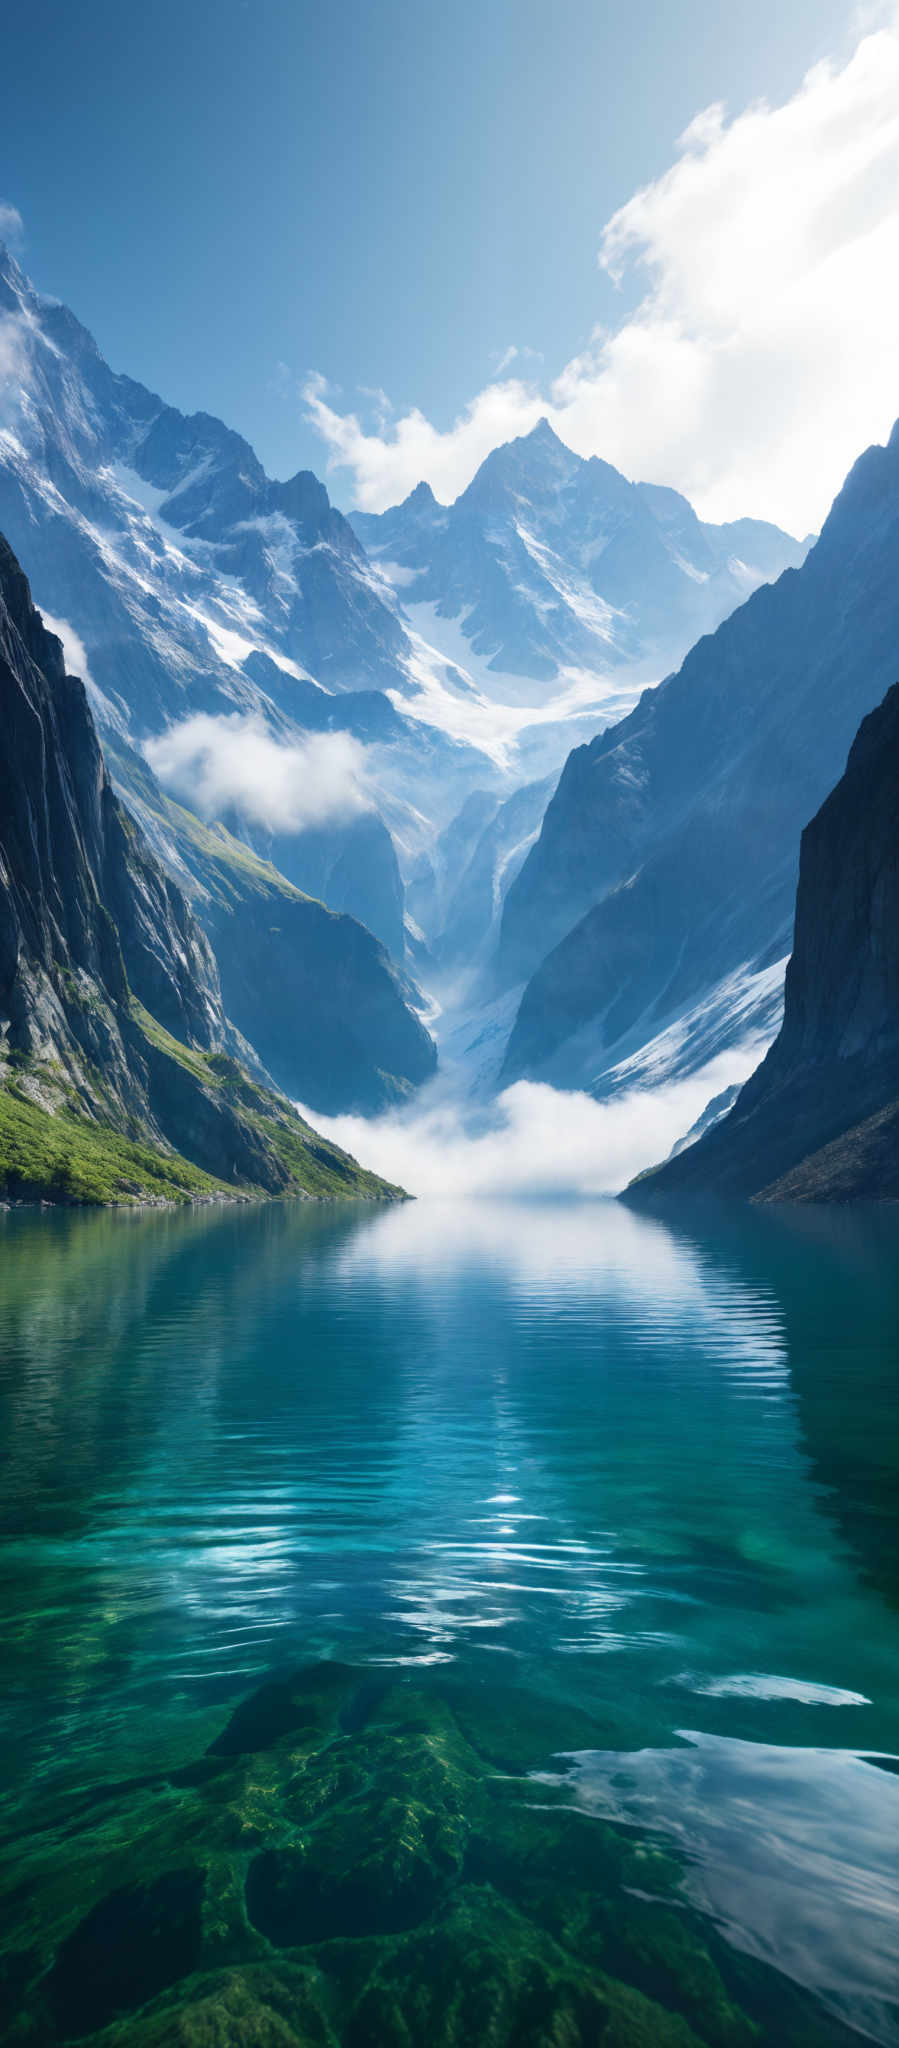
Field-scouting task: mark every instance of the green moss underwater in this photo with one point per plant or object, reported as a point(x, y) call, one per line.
point(363, 1860)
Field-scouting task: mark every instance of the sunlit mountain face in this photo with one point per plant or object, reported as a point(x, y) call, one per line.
point(192, 585)
point(554, 567)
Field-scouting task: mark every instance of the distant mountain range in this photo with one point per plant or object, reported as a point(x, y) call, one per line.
point(643, 900)
point(553, 565)
point(196, 584)
point(653, 916)
point(819, 1120)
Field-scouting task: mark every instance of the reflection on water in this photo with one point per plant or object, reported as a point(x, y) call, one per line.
point(558, 1451)
point(792, 1851)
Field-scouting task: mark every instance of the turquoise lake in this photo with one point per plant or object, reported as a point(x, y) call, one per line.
point(468, 1623)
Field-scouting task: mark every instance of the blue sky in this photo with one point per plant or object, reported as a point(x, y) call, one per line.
point(393, 195)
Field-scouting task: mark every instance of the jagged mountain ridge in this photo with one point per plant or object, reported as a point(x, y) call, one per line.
point(137, 478)
point(554, 563)
point(116, 1057)
point(666, 865)
point(819, 1119)
point(195, 584)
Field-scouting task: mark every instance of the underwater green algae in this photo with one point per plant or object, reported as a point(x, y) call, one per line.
point(354, 1862)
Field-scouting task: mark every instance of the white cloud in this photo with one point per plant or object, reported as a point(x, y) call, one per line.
point(235, 763)
point(73, 648)
point(534, 1140)
point(387, 465)
point(12, 226)
point(15, 366)
point(764, 353)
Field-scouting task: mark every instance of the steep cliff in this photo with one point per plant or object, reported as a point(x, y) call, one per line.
point(666, 864)
point(819, 1120)
point(117, 1074)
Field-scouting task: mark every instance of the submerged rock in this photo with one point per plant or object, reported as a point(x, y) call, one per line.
point(128, 1948)
point(363, 1862)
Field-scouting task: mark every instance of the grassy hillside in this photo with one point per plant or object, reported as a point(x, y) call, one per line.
point(52, 1150)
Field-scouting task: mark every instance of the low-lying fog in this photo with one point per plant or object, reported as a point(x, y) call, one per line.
point(533, 1139)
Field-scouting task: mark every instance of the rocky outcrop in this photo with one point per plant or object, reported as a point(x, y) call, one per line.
point(667, 859)
point(819, 1120)
point(111, 1017)
point(480, 885)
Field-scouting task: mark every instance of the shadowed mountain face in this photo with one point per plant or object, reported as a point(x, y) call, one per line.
point(117, 1075)
point(819, 1120)
point(552, 562)
point(81, 895)
point(354, 870)
point(329, 1012)
point(665, 871)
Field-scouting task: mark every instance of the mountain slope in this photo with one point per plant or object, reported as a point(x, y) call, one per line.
point(185, 541)
point(326, 1008)
point(195, 584)
point(819, 1120)
point(666, 866)
point(117, 1079)
point(475, 900)
point(553, 563)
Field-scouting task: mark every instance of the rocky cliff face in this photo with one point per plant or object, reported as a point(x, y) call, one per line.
point(320, 998)
point(820, 1117)
point(666, 865)
point(111, 1018)
point(81, 894)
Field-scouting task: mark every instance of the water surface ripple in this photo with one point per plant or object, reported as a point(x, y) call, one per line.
point(641, 1470)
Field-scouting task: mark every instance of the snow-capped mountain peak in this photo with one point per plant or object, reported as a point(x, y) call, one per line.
point(552, 563)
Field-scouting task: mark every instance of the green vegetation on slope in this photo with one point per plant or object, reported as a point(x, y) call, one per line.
point(61, 1154)
point(56, 1156)
point(213, 866)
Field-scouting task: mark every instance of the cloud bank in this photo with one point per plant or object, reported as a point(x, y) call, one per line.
point(536, 1140)
point(762, 356)
point(73, 648)
point(12, 226)
point(234, 763)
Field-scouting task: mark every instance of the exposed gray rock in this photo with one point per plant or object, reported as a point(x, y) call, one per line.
point(110, 1005)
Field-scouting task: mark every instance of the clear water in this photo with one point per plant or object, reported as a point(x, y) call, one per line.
point(561, 1466)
